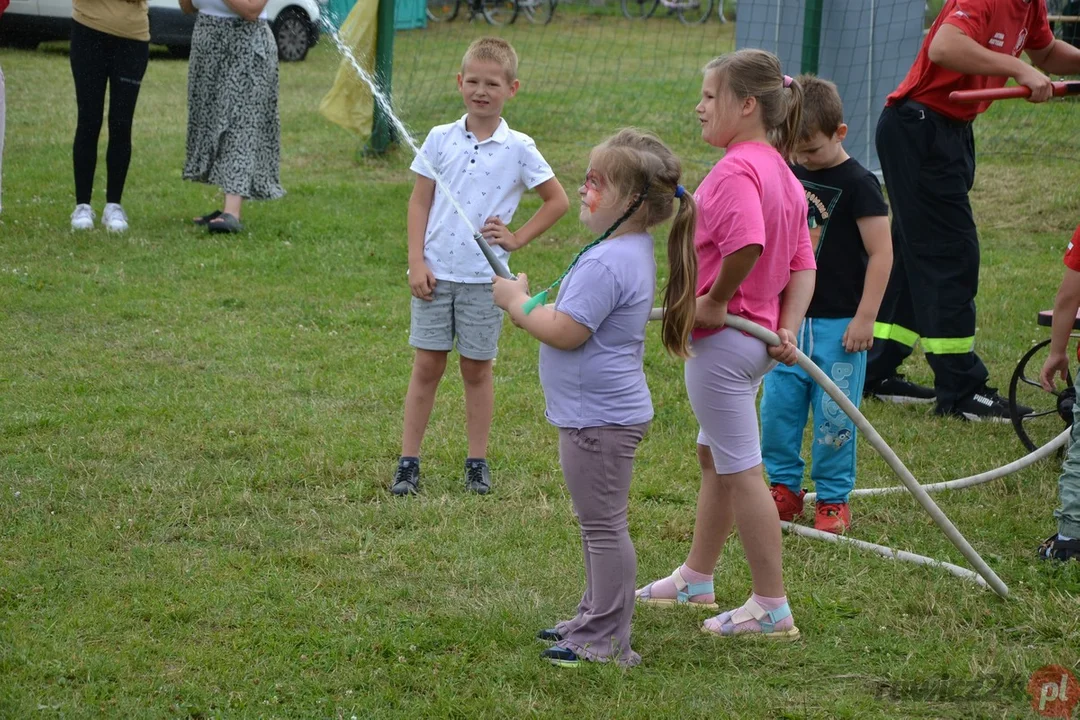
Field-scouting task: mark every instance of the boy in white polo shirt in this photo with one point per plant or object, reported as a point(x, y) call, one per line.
point(487, 167)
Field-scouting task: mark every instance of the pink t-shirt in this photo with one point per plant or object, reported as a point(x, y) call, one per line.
point(751, 198)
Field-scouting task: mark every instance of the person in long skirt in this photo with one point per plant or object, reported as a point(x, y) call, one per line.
point(234, 130)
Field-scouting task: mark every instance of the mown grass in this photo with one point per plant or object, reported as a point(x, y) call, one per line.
point(196, 435)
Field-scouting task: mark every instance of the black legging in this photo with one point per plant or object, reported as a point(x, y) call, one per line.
point(98, 58)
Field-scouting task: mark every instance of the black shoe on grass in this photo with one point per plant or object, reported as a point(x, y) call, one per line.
point(477, 476)
point(896, 389)
point(406, 477)
point(985, 405)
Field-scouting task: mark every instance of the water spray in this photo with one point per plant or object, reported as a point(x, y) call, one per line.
point(403, 132)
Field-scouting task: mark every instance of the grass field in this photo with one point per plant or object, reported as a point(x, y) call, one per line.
point(196, 435)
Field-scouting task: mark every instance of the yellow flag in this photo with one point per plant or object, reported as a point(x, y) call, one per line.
point(349, 102)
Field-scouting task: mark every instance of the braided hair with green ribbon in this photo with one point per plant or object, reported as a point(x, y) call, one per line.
point(541, 297)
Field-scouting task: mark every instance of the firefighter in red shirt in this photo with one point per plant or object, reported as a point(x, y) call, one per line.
point(927, 154)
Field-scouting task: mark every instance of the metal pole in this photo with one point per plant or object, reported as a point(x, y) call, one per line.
point(382, 131)
point(811, 36)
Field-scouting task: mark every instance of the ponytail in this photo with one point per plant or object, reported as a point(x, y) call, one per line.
point(787, 134)
point(680, 300)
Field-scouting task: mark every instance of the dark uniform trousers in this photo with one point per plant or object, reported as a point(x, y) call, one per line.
point(928, 161)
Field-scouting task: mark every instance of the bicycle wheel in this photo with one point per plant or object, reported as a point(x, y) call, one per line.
point(720, 12)
point(695, 12)
point(442, 10)
point(499, 12)
point(638, 9)
point(539, 12)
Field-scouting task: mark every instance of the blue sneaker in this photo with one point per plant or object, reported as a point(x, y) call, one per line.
point(561, 657)
point(549, 635)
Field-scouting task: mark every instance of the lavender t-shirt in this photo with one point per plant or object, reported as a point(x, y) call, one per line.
point(602, 381)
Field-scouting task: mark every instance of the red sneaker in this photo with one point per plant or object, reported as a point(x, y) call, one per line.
point(832, 517)
point(788, 504)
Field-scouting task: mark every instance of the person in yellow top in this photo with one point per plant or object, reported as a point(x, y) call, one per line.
point(110, 46)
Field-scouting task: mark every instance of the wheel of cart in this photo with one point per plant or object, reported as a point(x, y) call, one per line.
point(1051, 412)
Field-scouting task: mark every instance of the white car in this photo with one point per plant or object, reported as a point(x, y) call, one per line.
point(295, 24)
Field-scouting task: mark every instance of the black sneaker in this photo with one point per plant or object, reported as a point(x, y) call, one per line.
point(406, 477)
point(1055, 549)
point(477, 476)
point(896, 389)
point(984, 405)
point(549, 635)
point(561, 657)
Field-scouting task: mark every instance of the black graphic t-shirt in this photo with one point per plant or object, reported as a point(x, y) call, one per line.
point(837, 197)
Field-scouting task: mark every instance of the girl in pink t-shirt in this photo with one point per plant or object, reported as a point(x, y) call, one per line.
point(755, 260)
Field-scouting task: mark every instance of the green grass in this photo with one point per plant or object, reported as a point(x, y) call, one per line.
point(196, 435)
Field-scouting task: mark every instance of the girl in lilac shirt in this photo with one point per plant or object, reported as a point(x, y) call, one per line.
point(592, 373)
point(756, 261)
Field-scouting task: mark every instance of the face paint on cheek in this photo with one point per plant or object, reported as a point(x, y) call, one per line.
point(594, 184)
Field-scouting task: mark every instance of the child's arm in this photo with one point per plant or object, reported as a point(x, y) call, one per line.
point(544, 323)
point(188, 7)
point(877, 239)
point(1065, 306)
point(711, 310)
point(555, 206)
point(794, 301)
point(421, 281)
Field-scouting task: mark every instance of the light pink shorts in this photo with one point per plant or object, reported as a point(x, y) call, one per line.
point(722, 380)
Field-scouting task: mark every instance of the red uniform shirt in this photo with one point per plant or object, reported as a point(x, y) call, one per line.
point(1072, 261)
point(1005, 26)
point(1072, 254)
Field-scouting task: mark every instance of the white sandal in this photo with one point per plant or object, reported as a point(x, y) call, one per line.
point(685, 591)
point(767, 619)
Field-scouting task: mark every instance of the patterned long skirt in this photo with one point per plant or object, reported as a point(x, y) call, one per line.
point(234, 130)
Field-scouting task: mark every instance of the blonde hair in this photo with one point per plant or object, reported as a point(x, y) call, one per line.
point(823, 110)
point(636, 164)
point(756, 73)
point(493, 49)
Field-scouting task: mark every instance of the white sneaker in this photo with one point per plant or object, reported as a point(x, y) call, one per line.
point(114, 218)
point(82, 218)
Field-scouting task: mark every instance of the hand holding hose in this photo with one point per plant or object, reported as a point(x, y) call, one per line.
point(787, 351)
point(710, 313)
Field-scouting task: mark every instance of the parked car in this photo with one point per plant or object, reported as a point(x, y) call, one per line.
point(295, 24)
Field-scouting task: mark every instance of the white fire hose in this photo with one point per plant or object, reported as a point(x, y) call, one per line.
point(985, 576)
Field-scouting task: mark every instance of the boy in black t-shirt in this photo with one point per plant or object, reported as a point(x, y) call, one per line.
point(849, 227)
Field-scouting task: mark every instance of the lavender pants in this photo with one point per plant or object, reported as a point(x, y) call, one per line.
point(597, 464)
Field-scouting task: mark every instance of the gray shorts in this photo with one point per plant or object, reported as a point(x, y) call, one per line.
point(462, 310)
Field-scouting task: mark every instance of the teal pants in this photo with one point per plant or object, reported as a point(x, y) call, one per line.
point(790, 395)
point(1068, 515)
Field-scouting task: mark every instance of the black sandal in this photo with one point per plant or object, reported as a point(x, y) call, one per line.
point(1054, 548)
point(225, 223)
point(205, 219)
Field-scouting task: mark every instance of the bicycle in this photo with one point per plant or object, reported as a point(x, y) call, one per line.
point(496, 12)
point(538, 12)
point(690, 12)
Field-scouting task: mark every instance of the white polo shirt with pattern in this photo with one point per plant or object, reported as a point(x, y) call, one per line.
point(486, 178)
